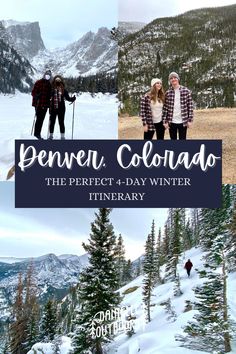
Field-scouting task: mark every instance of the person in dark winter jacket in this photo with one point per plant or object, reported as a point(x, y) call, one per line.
point(41, 93)
point(188, 267)
point(57, 105)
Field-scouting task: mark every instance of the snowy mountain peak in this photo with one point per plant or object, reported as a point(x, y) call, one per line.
point(91, 54)
point(8, 23)
point(25, 37)
point(52, 274)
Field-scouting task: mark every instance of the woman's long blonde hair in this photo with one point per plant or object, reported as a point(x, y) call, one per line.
point(157, 95)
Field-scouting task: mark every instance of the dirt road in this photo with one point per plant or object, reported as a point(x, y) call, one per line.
point(219, 123)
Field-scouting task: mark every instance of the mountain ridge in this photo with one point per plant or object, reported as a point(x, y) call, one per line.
point(199, 45)
point(24, 57)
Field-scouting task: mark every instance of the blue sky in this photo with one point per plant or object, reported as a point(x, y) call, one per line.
point(34, 232)
point(148, 10)
point(62, 22)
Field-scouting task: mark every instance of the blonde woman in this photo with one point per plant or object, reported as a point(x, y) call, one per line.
point(151, 111)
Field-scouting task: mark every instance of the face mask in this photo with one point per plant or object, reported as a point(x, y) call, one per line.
point(47, 77)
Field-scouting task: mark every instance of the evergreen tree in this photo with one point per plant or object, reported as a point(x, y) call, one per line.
point(195, 222)
point(166, 243)
point(232, 242)
point(97, 286)
point(158, 258)
point(49, 322)
point(213, 221)
point(66, 313)
point(175, 244)
point(188, 241)
point(149, 269)
point(139, 268)
point(127, 274)
point(177, 289)
point(31, 310)
point(169, 310)
point(120, 260)
point(211, 329)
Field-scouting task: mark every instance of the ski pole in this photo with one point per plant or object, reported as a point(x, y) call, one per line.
point(35, 116)
point(48, 127)
point(73, 118)
point(33, 123)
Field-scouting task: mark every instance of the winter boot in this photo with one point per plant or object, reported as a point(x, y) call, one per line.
point(38, 137)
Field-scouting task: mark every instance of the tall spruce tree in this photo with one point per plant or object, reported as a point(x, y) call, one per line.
point(49, 322)
point(231, 248)
point(158, 258)
point(195, 224)
point(127, 275)
point(176, 229)
point(138, 268)
point(188, 241)
point(210, 330)
point(165, 246)
point(149, 269)
point(97, 286)
point(31, 310)
point(120, 260)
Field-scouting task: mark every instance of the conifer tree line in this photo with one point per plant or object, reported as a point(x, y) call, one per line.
point(213, 230)
point(102, 82)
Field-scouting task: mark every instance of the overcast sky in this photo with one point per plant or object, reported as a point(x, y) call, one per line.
point(62, 22)
point(148, 10)
point(34, 232)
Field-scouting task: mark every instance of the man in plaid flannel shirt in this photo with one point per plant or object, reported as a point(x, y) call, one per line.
point(178, 108)
point(41, 101)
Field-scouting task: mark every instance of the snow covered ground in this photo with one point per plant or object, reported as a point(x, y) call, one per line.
point(158, 336)
point(95, 118)
point(47, 348)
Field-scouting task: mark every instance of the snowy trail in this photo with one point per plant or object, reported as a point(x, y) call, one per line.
point(158, 336)
point(95, 118)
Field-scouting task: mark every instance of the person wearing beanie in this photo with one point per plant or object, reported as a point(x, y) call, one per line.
point(57, 107)
point(151, 106)
point(41, 93)
point(178, 108)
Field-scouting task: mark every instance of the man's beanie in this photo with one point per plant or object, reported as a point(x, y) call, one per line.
point(174, 74)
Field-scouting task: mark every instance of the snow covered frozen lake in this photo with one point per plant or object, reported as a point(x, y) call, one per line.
point(95, 118)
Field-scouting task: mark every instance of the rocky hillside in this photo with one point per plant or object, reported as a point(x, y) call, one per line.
point(25, 37)
point(200, 45)
point(53, 276)
point(15, 70)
